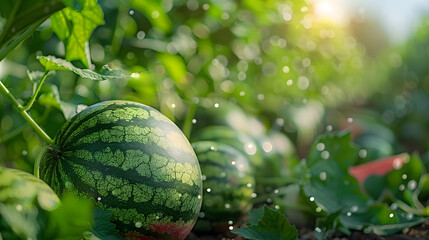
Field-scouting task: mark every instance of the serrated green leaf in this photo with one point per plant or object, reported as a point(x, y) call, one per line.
point(334, 146)
point(328, 225)
point(103, 228)
point(74, 28)
point(53, 63)
point(59, 24)
point(255, 215)
point(272, 226)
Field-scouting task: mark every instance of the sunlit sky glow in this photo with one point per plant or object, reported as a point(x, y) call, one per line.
point(398, 17)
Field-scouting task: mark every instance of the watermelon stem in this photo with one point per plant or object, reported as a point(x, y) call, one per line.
point(24, 112)
point(33, 98)
point(38, 160)
point(187, 124)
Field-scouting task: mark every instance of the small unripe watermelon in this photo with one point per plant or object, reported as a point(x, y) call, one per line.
point(21, 188)
point(240, 141)
point(228, 184)
point(133, 161)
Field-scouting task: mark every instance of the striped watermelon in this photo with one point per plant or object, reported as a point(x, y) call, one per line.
point(133, 161)
point(240, 141)
point(228, 185)
point(21, 188)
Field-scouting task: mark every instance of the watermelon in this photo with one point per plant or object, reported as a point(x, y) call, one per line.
point(278, 153)
point(240, 141)
point(22, 196)
point(220, 112)
point(132, 161)
point(21, 188)
point(228, 185)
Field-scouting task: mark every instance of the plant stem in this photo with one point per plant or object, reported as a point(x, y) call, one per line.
point(24, 114)
point(7, 49)
point(10, 20)
point(33, 98)
point(187, 125)
point(38, 160)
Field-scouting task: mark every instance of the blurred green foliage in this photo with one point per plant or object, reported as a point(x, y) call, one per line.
point(281, 70)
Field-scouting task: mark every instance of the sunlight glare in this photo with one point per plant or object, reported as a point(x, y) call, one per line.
point(330, 10)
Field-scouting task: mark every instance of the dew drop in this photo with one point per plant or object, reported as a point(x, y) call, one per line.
point(199, 196)
point(131, 12)
point(233, 162)
point(267, 147)
point(401, 187)
point(354, 208)
point(19, 207)
point(212, 148)
point(329, 128)
point(318, 209)
point(227, 205)
point(363, 153)
point(216, 105)
point(135, 75)
point(242, 93)
point(409, 216)
point(349, 120)
point(99, 199)
point(24, 152)
point(201, 215)
point(194, 121)
point(261, 97)
point(412, 184)
point(203, 177)
point(155, 14)
point(269, 200)
point(277, 207)
point(209, 189)
point(311, 199)
point(286, 69)
point(317, 229)
point(173, 105)
point(250, 149)
point(323, 176)
point(141, 35)
point(349, 214)
point(397, 163)
point(289, 82)
point(320, 146)
point(138, 224)
point(325, 154)
point(206, 6)
point(249, 185)
point(404, 176)
point(254, 195)
point(230, 222)
point(394, 206)
point(276, 191)
point(391, 215)
point(231, 227)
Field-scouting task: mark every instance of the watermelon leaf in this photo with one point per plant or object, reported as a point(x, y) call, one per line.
point(74, 28)
point(53, 63)
point(103, 228)
point(272, 225)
